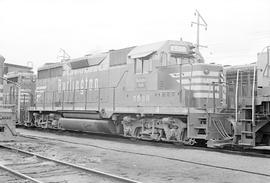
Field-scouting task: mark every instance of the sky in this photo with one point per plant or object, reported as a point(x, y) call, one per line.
point(33, 31)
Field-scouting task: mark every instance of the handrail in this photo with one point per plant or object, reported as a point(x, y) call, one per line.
point(267, 65)
point(253, 97)
point(120, 79)
point(253, 104)
point(189, 96)
point(118, 83)
point(236, 95)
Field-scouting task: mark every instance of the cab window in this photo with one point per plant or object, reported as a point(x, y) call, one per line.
point(138, 66)
point(176, 60)
point(163, 59)
point(143, 65)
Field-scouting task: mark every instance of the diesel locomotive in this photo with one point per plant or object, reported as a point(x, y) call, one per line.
point(162, 91)
point(248, 91)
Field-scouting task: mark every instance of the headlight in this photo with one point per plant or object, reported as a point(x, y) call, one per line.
point(206, 71)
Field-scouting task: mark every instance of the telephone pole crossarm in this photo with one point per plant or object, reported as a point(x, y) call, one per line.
point(198, 23)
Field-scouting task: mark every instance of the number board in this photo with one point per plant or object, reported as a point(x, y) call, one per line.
point(178, 48)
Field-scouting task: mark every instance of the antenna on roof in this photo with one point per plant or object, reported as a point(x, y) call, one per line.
point(199, 23)
point(63, 55)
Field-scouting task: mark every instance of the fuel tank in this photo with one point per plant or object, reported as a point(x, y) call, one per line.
point(88, 125)
point(81, 114)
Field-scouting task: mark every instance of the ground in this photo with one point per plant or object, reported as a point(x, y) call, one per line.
point(108, 156)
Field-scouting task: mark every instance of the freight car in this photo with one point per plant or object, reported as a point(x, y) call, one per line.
point(7, 114)
point(26, 81)
point(161, 91)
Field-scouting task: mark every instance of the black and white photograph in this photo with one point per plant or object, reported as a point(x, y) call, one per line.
point(134, 91)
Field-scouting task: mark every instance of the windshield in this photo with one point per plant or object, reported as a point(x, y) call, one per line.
point(176, 60)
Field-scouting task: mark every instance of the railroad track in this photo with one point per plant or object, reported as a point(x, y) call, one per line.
point(8, 176)
point(229, 150)
point(18, 165)
point(160, 156)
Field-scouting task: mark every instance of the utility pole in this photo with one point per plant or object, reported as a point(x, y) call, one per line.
point(200, 22)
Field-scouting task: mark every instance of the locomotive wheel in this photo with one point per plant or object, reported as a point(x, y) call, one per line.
point(137, 132)
point(191, 141)
point(119, 129)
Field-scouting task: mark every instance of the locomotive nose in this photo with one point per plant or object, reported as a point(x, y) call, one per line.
point(201, 85)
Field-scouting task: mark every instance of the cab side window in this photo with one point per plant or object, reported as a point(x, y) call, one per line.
point(143, 65)
point(138, 66)
point(174, 60)
point(163, 59)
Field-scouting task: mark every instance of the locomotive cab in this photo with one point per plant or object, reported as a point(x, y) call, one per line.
point(175, 73)
point(144, 62)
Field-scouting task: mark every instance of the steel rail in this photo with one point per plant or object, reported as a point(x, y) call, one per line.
point(116, 177)
point(19, 174)
point(158, 156)
point(130, 139)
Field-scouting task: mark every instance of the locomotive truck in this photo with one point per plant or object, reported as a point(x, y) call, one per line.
point(161, 91)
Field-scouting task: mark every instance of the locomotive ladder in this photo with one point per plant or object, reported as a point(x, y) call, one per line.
point(247, 123)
